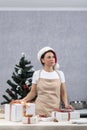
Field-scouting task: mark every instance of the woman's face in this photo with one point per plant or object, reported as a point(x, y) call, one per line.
point(49, 59)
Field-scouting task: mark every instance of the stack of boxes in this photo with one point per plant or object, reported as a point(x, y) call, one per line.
point(19, 112)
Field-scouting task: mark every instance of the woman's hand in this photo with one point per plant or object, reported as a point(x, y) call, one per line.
point(69, 107)
point(19, 101)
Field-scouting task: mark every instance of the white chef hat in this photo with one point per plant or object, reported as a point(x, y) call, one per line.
point(44, 50)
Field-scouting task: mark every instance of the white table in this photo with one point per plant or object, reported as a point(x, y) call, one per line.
point(8, 125)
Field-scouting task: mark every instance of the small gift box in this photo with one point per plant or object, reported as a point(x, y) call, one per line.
point(26, 120)
point(30, 120)
point(59, 116)
point(74, 115)
point(34, 119)
point(13, 112)
point(65, 115)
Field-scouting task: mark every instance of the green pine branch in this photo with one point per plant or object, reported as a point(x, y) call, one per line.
point(23, 71)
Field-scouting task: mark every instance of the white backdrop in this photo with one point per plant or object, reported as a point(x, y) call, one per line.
point(43, 3)
point(28, 31)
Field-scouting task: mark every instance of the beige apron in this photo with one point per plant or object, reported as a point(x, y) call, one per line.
point(48, 91)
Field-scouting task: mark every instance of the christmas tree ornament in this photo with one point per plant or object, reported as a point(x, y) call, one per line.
point(19, 71)
point(27, 82)
point(25, 87)
point(23, 54)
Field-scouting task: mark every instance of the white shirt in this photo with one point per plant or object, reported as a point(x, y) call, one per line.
point(48, 75)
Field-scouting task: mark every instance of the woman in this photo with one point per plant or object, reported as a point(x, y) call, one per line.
point(48, 84)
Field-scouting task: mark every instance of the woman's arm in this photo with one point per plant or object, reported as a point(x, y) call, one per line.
point(31, 94)
point(65, 97)
point(28, 97)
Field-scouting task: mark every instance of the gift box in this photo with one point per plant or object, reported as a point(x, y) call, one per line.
point(74, 115)
point(26, 120)
point(59, 116)
point(30, 120)
point(29, 109)
point(1, 112)
point(34, 119)
point(65, 116)
point(13, 112)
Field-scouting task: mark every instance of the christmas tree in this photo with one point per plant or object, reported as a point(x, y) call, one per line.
point(21, 82)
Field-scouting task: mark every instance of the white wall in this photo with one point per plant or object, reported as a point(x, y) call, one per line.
point(43, 3)
point(28, 31)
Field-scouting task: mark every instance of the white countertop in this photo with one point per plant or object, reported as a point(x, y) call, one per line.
point(82, 111)
point(80, 124)
point(83, 121)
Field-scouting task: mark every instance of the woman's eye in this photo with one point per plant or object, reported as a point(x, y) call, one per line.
point(49, 57)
